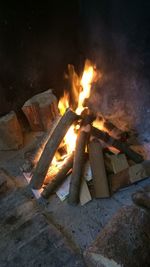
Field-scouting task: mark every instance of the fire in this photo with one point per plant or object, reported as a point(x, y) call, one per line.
point(63, 103)
point(85, 82)
point(70, 139)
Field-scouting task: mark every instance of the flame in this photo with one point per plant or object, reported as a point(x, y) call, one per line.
point(84, 83)
point(70, 139)
point(63, 103)
point(99, 124)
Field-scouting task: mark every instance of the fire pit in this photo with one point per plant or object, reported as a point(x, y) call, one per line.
point(80, 136)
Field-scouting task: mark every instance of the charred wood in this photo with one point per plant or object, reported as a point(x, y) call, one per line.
point(59, 178)
point(123, 147)
point(49, 151)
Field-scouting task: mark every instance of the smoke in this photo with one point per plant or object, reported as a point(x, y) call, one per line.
point(118, 42)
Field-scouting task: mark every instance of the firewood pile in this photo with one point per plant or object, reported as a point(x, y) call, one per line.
point(106, 150)
point(110, 171)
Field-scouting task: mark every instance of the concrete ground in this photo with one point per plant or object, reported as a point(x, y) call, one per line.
point(49, 233)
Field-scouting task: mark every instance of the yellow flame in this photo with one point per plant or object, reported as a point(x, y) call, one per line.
point(85, 85)
point(99, 124)
point(86, 81)
point(63, 103)
point(70, 139)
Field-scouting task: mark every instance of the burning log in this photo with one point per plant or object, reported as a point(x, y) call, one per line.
point(59, 178)
point(31, 161)
point(78, 164)
point(113, 130)
point(100, 182)
point(123, 147)
point(50, 148)
point(130, 175)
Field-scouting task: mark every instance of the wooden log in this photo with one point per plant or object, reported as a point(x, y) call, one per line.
point(130, 175)
point(113, 130)
point(49, 151)
point(41, 110)
point(78, 166)
point(85, 195)
point(118, 162)
point(11, 137)
point(87, 117)
point(124, 241)
point(100, 181)
point(59, 178)
point(34, 156)
point(123, 147)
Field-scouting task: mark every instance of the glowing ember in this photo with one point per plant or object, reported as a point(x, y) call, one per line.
point(99, 124)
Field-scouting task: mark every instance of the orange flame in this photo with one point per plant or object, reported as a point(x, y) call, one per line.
point(63, 103)
point(85, 82)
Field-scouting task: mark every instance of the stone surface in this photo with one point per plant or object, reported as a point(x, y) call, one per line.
point(3, 184)
point(11, 137)
point(28, 238)
point(78, 226)
point(124, 241)
point(41, 110)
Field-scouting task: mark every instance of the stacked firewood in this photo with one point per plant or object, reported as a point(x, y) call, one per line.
point(109, 171)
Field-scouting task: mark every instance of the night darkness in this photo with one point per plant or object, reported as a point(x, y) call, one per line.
point(39, 39)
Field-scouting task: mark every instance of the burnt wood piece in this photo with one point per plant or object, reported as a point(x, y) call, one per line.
point(113, 130)
point(124, 241)
point(42, 143)
point(130, 175)
point(59, 178)
point(123, 147)
point(100, 181)
point(50, 148)
point(78, 166)
point(32, 157)
point(87, 117)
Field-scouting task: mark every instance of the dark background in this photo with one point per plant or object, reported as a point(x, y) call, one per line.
point(39, 38)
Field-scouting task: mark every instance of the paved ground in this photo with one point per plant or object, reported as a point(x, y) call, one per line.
point(49, 233)
point(28, 237)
